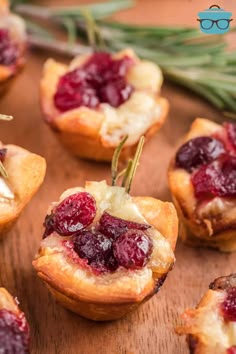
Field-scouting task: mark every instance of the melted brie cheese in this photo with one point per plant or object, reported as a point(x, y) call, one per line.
point(210, 325)
point(132, 118)
point(145, 75)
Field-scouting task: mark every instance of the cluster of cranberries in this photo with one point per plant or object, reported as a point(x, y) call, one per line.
point(111, 243)
point(232, 350)
point(212, 163)
point(8, 49)
point(14, 333)
point(100, 79)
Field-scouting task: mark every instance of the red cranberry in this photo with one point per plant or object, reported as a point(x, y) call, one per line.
point(113, 227)
point(198, 151)
point(232, 350)
point(73, 92)
point(115, 92)
point(231, 133)
point(216, 179)
point(74, 213)
point(3, 154)
point(96, 248)
point(14, 333)
point(100, 79)
point(133, 249)
point(8, 50)
point(229, 305)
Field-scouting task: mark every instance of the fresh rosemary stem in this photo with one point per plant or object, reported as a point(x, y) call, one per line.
point(3, 171)
point(130, 170)
point(115, 161)
point(134, 165)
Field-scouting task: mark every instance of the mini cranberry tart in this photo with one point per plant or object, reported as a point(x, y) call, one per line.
point(211, 327)
point(14, 329)
point(202, 180)
point(21, 174)
point(99, 98)
point(104, 252)
point(12, 45)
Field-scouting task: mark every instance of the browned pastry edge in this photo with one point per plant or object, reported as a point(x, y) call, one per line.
point(92, 147)
point(10, 74)
point(26, 172)
point(189, 229)
point(7, 302)
point(107, 305)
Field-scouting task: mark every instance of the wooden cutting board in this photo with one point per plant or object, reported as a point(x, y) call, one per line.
point(149, 330)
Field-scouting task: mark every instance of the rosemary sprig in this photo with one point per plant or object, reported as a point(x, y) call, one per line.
point(115, 161)
point(130, 170)
point(134, 164)
point(3, 171)
point(202, 64)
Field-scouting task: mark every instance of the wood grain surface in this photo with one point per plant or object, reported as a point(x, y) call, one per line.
point(149, 330)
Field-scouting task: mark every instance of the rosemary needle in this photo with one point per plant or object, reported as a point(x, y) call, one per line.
point(115, 161)
point(3, 171)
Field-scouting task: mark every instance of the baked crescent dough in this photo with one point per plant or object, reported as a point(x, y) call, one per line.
point(208, 332)
point(17, 32)
point(110, 295)
point(210, 223)
point(25, 175)
point(95, 133)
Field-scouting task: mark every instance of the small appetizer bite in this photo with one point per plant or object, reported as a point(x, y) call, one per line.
point(21, 174)
point(105, 252)
point(95, 101)
point(211, 327)
point(12, 45)
point(14, 329)
point(202, 180)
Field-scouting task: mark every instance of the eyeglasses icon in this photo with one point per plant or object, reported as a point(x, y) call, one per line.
point(207, 24)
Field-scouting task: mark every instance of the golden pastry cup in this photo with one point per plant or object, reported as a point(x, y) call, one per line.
point(200, 324)
point(16, 25)
point(79, 129)
point(208, 231)
point(102, 302)
point(8, 303)
point(26, 172)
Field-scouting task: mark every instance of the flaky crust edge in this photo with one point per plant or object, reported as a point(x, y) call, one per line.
point(26, 173)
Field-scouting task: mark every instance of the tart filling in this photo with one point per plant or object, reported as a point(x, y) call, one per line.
point(211, 327)
point(14, 330)
point(119, 91)
point(100, 231)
